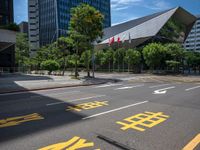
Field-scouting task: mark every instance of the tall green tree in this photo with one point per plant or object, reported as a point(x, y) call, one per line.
point(65, 45)
point(108, 58)
point(86, 26)
point(175, 56)
point(155, 55)
point(119, 55)
point(132, 58)
point(22, 49)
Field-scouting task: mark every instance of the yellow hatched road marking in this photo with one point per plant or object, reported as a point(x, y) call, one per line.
point(147, 119)
point(193, 144)
point(73, 144)
point(87, 106)
point(19, 120)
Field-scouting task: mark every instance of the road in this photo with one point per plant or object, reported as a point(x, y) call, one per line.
point(123, 115)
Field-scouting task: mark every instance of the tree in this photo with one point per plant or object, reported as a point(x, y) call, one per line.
point(119, 57)
point(191, 60)
point(155, 55)
point(50, 65)
point(99, 54)
point(12, 26)
point(86, 58)
point(49, 52)
point(65, 45)
point(22, 49)
point(86, 25)
point(172, 64)
point(108, 58)
point(176, 56)
point(132, 58)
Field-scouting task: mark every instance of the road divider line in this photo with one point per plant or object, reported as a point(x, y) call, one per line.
point(107, 85)
point(192, 88)
point(160, 85)
point(80, 99)
point(129, 87)
point(113, 110)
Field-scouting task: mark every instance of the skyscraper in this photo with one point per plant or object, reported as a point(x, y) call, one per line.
point(6, 12)
point(192, 43)
point(49, 19)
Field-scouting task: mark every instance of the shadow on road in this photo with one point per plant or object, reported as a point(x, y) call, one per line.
point(30, 103)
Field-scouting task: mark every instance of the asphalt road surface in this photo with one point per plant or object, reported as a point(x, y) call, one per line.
point(124, 115)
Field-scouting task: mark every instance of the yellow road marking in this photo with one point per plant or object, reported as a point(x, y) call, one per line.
point(87, 106)
point(73, 144)
point(147, 119)
point(19, 120)
point(194, 143)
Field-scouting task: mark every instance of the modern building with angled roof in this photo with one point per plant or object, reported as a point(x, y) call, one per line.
point(172, 25)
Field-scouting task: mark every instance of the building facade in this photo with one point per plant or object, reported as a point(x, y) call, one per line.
point(6, 12)
point(192, 43)
point(7, 38)
point(23, 26)
point(49, 19)
point(172, 25)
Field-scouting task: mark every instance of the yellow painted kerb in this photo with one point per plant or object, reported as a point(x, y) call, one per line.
point(193, 144)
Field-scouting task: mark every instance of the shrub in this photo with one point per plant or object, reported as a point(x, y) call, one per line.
point(50, 65)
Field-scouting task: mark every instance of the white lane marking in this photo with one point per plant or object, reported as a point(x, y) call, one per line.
point(160, 85)
point(163, 91)
point(52, 94)
point(192, 88)
point(129, 87)
point(107, 85)
point(113, 110)
point(80, 99)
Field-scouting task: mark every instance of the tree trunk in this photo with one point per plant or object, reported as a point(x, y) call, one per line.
point(109, 66)
point(64, 66)
point(123, 65)
point(128, 67)
point(76, 64)
point(88, 69)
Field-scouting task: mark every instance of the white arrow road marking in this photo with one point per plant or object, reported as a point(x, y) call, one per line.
point(163, 91)
point(196, 87)
point(129, 87)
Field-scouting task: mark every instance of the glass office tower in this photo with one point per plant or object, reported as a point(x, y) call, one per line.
point(6, 12)
point(192, 42)
point(54, 17)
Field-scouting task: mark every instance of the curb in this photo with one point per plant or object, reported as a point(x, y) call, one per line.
point(48, 88)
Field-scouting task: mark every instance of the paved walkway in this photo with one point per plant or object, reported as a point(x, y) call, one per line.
point(23, 82)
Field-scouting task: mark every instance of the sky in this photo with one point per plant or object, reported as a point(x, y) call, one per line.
point(124, 10)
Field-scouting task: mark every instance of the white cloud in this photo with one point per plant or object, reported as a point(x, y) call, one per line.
point(125, 20)
point(123, 4)
point(158, 5)
point(118, 5)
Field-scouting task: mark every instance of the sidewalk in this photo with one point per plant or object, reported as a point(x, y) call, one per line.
point(23, 82)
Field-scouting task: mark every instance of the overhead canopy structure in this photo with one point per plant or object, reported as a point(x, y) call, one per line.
point(7, 49)
point(170, 25)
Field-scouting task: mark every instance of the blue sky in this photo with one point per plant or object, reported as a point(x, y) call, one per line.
point(124, 10)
